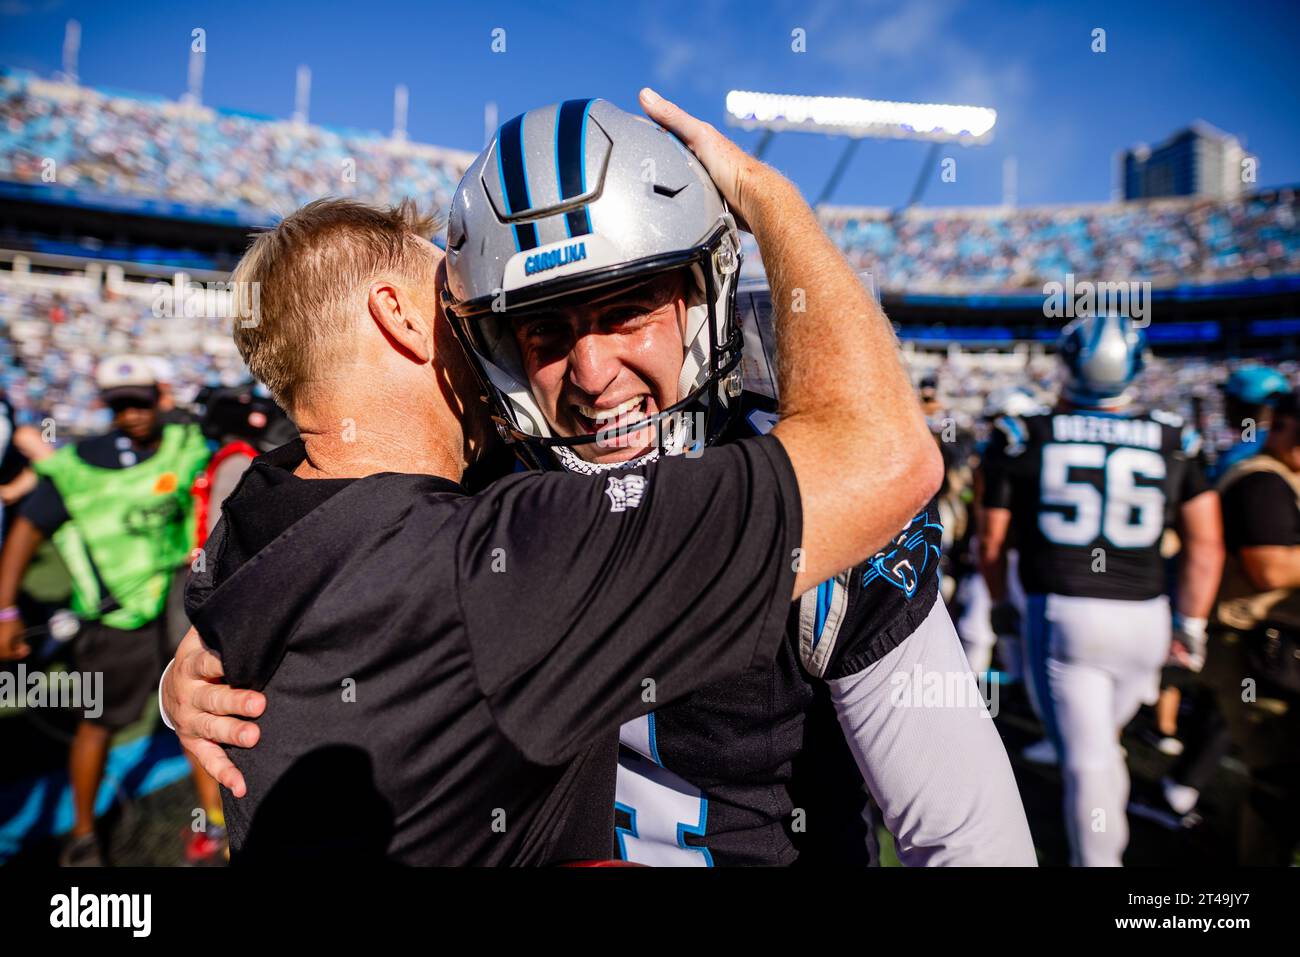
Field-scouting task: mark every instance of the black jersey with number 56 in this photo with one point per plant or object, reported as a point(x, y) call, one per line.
point(1091, 494)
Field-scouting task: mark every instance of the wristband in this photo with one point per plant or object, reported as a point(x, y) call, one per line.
point(10, 613)
point(162, 710)
point(1192, 627)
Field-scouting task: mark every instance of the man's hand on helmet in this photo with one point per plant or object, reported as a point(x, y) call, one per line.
point(741, 178)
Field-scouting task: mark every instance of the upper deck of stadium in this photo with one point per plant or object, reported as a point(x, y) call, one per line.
point(102, 149)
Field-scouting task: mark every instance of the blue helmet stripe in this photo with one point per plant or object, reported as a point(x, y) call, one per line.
point(570, 160)
point(514, 179)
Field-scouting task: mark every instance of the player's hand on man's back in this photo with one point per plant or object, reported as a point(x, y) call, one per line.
point(202, 710)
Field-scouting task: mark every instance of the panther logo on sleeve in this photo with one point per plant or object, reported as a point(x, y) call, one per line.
point(904, 562)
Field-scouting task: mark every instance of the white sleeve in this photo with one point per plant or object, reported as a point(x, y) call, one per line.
point(162, 711)
point(929, 753)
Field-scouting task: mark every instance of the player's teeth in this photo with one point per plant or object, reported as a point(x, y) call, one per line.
point(602, 415)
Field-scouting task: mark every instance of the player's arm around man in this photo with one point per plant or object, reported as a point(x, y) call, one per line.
point(911, 710)
point(938, 770)
point(860, 475)
point(839, 365)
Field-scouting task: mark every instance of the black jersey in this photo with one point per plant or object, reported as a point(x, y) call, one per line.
point(1091, 494)
point(719, 777)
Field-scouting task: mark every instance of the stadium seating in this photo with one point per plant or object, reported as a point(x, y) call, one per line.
point(1167, 242)
point(54, 329)
point(258, 168)
point(236, 167)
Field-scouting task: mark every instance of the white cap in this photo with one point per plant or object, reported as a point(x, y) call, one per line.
point(163, 370)
point(123, 375)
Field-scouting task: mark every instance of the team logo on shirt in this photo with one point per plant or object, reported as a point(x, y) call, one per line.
point(625, 493)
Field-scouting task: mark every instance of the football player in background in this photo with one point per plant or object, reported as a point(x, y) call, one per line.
point(975, 626)
point(1090, 487)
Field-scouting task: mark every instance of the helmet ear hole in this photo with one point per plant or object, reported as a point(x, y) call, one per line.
point(456, 231)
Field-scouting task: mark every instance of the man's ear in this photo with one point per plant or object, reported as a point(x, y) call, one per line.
point(397, 316)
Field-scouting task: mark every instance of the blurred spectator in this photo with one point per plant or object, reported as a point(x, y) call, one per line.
point(1254, 658)
point(1164, 242)
point(119, 511)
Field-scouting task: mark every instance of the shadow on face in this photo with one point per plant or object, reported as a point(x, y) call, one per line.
point(456, 379)
point(137, 417)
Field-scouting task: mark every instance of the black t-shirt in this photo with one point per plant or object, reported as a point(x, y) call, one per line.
point(1260, 509)
point(1091, 494)
point(446, 674)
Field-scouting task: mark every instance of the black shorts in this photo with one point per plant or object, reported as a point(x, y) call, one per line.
point(131, 663)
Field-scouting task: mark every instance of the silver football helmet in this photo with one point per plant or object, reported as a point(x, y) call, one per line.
point(577, 197)
point(1102, 356)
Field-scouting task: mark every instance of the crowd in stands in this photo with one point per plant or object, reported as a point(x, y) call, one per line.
point(1166, 242)
point(54, 330)
point(172, 152)
point(261, 168)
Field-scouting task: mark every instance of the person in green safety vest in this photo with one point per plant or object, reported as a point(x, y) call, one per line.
point(118, 509)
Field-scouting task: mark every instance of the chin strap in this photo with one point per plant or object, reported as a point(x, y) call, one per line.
point(573, 463)
point(673, 440)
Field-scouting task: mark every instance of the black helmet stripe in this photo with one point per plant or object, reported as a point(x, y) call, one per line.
point(571, 160)
point(514, 179)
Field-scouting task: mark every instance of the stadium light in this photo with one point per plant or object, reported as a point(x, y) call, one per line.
point(71, 50)
point(856, 118)
point(401, 100)
point(302, 94)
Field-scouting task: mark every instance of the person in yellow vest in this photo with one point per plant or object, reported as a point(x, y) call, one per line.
point(1253, 662)
point(119, 510)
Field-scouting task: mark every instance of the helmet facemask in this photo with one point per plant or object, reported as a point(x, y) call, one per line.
point(572, 200)
point(708, 382)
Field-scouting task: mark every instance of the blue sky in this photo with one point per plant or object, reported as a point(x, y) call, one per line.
point(1064, 111)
